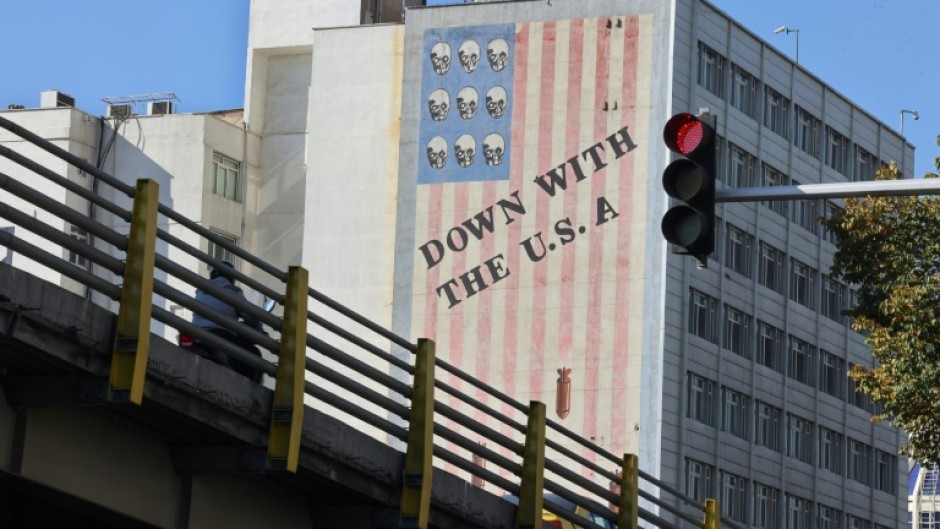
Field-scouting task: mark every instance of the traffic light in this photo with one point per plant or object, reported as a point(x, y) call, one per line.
point(689, 225)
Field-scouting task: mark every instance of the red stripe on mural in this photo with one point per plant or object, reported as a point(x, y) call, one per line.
point(484, 312)
point(572, 148)
point(624, 239)
point(542, 207)
point(596, 256)
point(459, 266)
point(435, 192)
point(511, 329)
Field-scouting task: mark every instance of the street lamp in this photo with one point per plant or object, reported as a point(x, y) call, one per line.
point(913, 113)
point(783, 29)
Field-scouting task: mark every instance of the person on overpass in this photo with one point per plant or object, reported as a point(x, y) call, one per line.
point(219, 278)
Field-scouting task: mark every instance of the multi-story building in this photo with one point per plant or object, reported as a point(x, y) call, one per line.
point(487, 175)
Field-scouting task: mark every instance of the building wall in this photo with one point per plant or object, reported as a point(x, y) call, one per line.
point(593, 304)
point(68, 129)
point(688, 355)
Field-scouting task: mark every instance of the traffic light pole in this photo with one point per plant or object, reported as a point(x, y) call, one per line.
point(877, 188)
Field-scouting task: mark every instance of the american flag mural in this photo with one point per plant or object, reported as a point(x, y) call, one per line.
point(530, 219)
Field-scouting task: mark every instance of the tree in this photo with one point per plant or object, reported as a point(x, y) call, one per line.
point(890, 248)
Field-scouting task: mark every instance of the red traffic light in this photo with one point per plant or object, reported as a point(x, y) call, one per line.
point(685, 133)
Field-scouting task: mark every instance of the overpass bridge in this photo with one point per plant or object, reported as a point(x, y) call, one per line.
point(105, 424)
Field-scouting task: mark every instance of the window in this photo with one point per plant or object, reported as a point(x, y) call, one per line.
point(886, 469)
point(833, 299)
point(854, 522)
point(738, 249)
point(80, 235)
point(711, 66)
point(858, 456)
point(830, 210)
point(773, 177)
point(865, 164)
point(800, 366)
point(799, 514)
point(806, 137)
point(742, 168)
point(225, 176)
point(698, 483)
point(855, 396)
point(831, 374)
point(770, 273)
point(770, 346)
point(734, 416)
point(737, 332)
point(217, 251)
point(803, 213)
point(701, 399)
point(767, 426)
point(732, 496)
point(837, 151)
point(776, 112)
point(802, 278)
point(703, 320)
point(827, 517)
point(766, 499)
point(830, 450)
point(743, 91)
point(799, 438)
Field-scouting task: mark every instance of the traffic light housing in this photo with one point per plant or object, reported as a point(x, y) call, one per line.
point(690, 224)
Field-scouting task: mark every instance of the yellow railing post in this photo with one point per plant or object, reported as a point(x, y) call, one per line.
point(629, 511)
point(529, 514)
point(416, 482)
point(711, 514)
point(132, 336)
point(287, 413)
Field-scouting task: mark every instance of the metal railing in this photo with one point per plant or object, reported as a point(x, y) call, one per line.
point(482, 434)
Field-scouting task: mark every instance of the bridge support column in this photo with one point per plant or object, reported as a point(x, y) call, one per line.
point(629, 512)
point(529, 515)
point(416, 490)
point(132, 337)
point(287, 414)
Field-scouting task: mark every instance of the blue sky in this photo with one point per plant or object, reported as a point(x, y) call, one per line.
point(882, 54)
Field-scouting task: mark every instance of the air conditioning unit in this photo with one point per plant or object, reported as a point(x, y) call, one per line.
point(55, 99)
point(159, 108)
point(122, 110)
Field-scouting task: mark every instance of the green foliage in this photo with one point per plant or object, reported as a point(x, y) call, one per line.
point(890, 248)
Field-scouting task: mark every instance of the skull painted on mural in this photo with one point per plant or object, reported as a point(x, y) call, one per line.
point(497, 51)
point(437, 152)
point(440, 58)
point(467, 101)
point(439, 104)
point(493, 149)
point(469, 55)
point(496, 101)
point(464, 149)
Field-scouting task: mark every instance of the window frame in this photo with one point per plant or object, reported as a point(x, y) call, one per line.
point(701, 399)
point(711, 70)
point(735, 414)
point(226, 177)
point(771, 268)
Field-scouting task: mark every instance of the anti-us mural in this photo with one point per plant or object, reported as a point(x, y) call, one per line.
point(530, 219)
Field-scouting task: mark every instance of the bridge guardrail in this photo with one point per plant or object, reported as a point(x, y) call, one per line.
point(462, 432)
